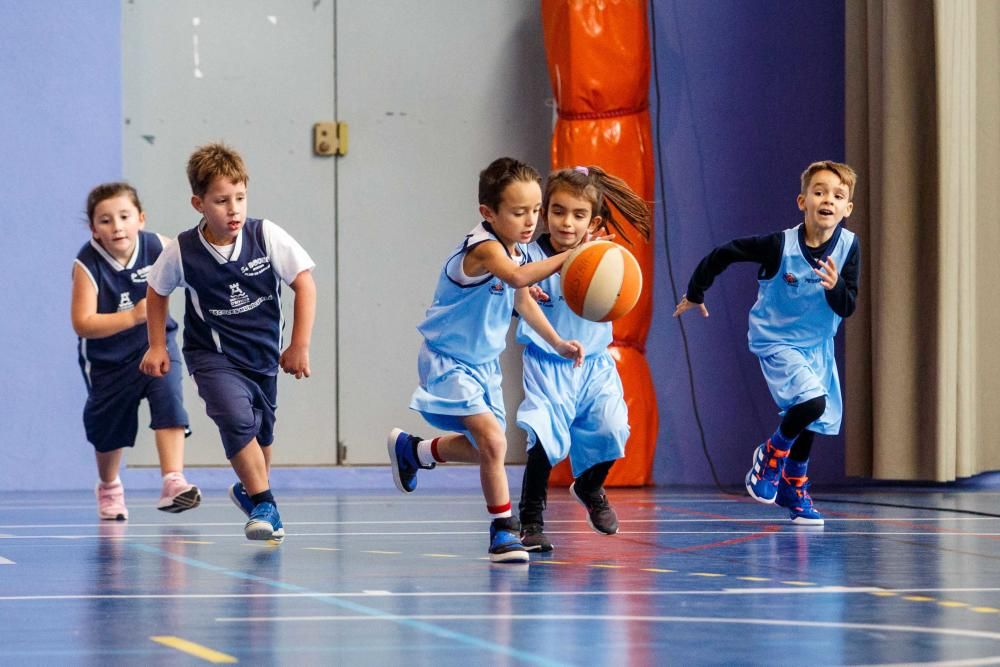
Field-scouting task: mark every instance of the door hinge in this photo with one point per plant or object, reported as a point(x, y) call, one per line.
point(330, 138)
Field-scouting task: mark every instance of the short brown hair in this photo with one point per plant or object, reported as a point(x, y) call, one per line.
point(210, 161)
point(847, 175)
point(499, 174)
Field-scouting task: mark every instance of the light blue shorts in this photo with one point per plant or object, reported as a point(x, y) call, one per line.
point(575, 412)
point(451, 389)
point(795, 375)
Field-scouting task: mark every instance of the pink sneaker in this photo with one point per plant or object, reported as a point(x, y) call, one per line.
point(177, 495)
point(111, 501)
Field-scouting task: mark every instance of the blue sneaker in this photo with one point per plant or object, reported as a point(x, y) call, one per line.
point(505, 543)
point(793, 495)
point(264, 523)
point(403, 455)
point(241, 498)
point(762, 479)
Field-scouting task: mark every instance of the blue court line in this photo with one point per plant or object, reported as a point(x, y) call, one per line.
point(361, 609)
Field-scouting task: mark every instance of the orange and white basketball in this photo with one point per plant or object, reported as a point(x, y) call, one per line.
point(601, 281)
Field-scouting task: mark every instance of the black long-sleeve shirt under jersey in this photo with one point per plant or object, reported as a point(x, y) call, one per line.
point(766, 250)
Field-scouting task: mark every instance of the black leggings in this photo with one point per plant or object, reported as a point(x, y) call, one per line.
point(797, 418)
point(534, 487)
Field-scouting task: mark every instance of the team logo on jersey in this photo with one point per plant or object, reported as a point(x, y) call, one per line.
point(497, 288)
point(125, 302)
point(791, 280)
point(237, 297)
point(255, 267)
point(139, 276)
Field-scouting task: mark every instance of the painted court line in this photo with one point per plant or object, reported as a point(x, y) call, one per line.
point(710, 620)
point(369, 612)
point(197, 650)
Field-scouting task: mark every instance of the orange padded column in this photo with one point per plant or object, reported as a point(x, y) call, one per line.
point(598, 59)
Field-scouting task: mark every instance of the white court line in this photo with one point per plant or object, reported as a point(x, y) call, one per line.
point(816, 590)
point(788, 530)
point(6, 561)
point(782, 623)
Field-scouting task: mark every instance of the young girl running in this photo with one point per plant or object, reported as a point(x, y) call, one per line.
point(464, 333)
point(109, 316)
point(579, 413)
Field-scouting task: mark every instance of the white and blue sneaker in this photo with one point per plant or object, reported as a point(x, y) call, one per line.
point(793, 495)
point(402, 449)
point(264, 523)
point(762, 479)
point(241, 498)
point(505, 541)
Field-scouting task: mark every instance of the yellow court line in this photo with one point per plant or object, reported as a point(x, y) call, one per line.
point(607, 566)
point(953, 603)
point(799, 583)
point(882, 594)
point(551, 562)
point(754, 578)
point(706, 574)
point(985, 610)
point(918, 598)
point(656, 569)
point(384, 553)
point(197, 650)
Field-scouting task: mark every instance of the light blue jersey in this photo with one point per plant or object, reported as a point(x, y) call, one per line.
point(464, 332)
point(792, 328)
point(791, 307)
point(568, 411)
point(595, 336)
point(470, 315)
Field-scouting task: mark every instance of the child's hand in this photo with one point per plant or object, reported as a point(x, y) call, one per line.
point(156, 361)
point(686, 305)
point(537, 293)
point(295, 361)
point(571, 349)
point(828, 275)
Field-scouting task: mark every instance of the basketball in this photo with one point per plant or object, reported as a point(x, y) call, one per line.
point(601, 281)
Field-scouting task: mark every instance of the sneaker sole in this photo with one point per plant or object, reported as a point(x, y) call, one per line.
point(391, 447)
point(514, 556)
point(262, 530)
point(236, 501)
point(804, 521)
point(540, 548)
point(572, 492)
point(181, 502)
point(117, 517)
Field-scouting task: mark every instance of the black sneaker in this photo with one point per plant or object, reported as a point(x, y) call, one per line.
point(534, 539)
point(600, 515)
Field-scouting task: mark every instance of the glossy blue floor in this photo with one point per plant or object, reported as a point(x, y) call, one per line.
point(369, 577)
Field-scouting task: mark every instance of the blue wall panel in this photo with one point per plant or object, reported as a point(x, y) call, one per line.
point(746, 93)
point(60, 133)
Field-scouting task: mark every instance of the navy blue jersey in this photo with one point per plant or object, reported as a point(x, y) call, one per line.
point(119, 288)
point(233, 306)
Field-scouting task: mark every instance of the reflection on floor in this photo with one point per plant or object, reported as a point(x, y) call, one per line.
point(376, 578)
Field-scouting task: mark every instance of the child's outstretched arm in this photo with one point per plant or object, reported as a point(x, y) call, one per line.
point(156, 361)
point(764, 250)
point(295, 359)
point(490, 257)
point(87, 322)
point(533, 316)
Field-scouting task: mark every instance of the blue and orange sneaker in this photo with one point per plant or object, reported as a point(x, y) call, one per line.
point(402, 449)
point(265, 523)
point(793, 495)
point(241, 498)
point(505, 542)
point(763, 477)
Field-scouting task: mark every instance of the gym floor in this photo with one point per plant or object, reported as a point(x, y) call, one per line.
point(369, 577)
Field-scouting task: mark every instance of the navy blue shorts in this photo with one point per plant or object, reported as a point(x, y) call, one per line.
point(241, 403)
point(111, 414)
